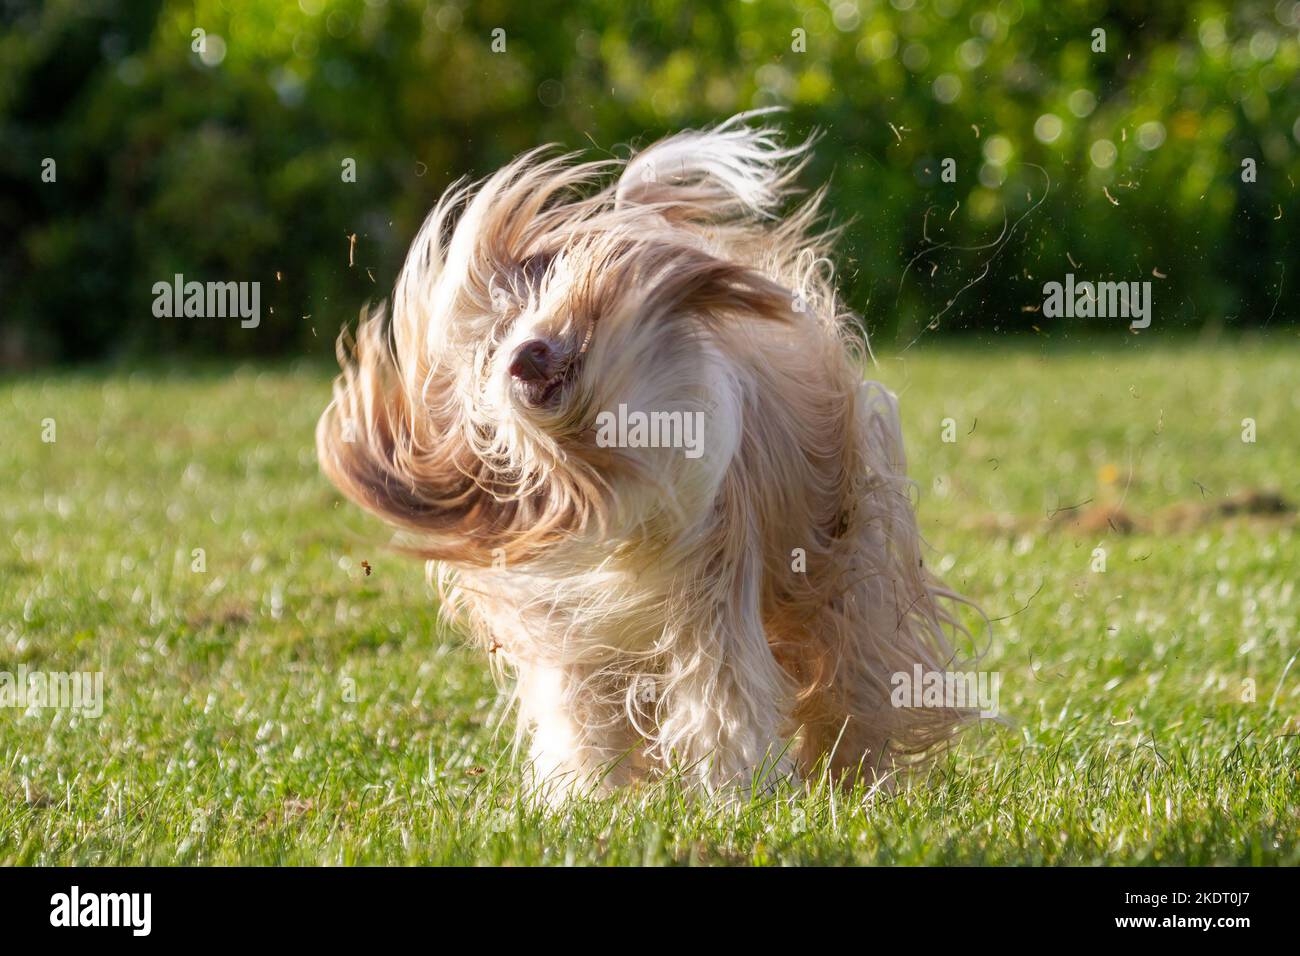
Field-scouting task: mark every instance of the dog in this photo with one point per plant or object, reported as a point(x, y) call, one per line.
point(735, 615)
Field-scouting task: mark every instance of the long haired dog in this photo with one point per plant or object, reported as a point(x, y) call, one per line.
point(733, 605)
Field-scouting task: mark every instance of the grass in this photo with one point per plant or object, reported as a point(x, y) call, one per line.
point(283, 706)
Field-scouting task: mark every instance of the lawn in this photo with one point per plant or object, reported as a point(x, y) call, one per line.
point(283, 705)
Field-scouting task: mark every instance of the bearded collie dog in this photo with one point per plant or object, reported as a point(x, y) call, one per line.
point(739, 607)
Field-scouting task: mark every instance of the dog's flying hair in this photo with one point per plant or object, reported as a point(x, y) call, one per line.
point(767, 592)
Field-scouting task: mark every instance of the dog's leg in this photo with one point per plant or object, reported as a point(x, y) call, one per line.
point(724, 715)
point(892, 619)
point(853, 728)
point(725, 701)
point(579, 738)
point(845, 726)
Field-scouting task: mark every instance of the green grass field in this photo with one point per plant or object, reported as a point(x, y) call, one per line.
point(282, 706)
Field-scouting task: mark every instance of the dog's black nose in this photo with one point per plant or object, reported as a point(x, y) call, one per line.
point(532, 361)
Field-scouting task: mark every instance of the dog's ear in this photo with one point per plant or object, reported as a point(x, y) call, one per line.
point(728, 171)
point(400, 463)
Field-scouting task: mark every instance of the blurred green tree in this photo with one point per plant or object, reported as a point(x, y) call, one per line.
point(1114, 155)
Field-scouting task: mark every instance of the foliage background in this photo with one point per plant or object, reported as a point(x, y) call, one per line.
point(226, 165)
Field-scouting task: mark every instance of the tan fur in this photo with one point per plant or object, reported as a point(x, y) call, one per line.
point(644, 603)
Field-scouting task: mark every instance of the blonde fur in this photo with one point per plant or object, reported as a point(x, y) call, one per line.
point(644, 604)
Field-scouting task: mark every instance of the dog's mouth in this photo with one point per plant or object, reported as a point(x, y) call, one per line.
point(547, 393)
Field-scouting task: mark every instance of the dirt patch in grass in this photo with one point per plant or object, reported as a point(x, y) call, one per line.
point(1090, 520)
